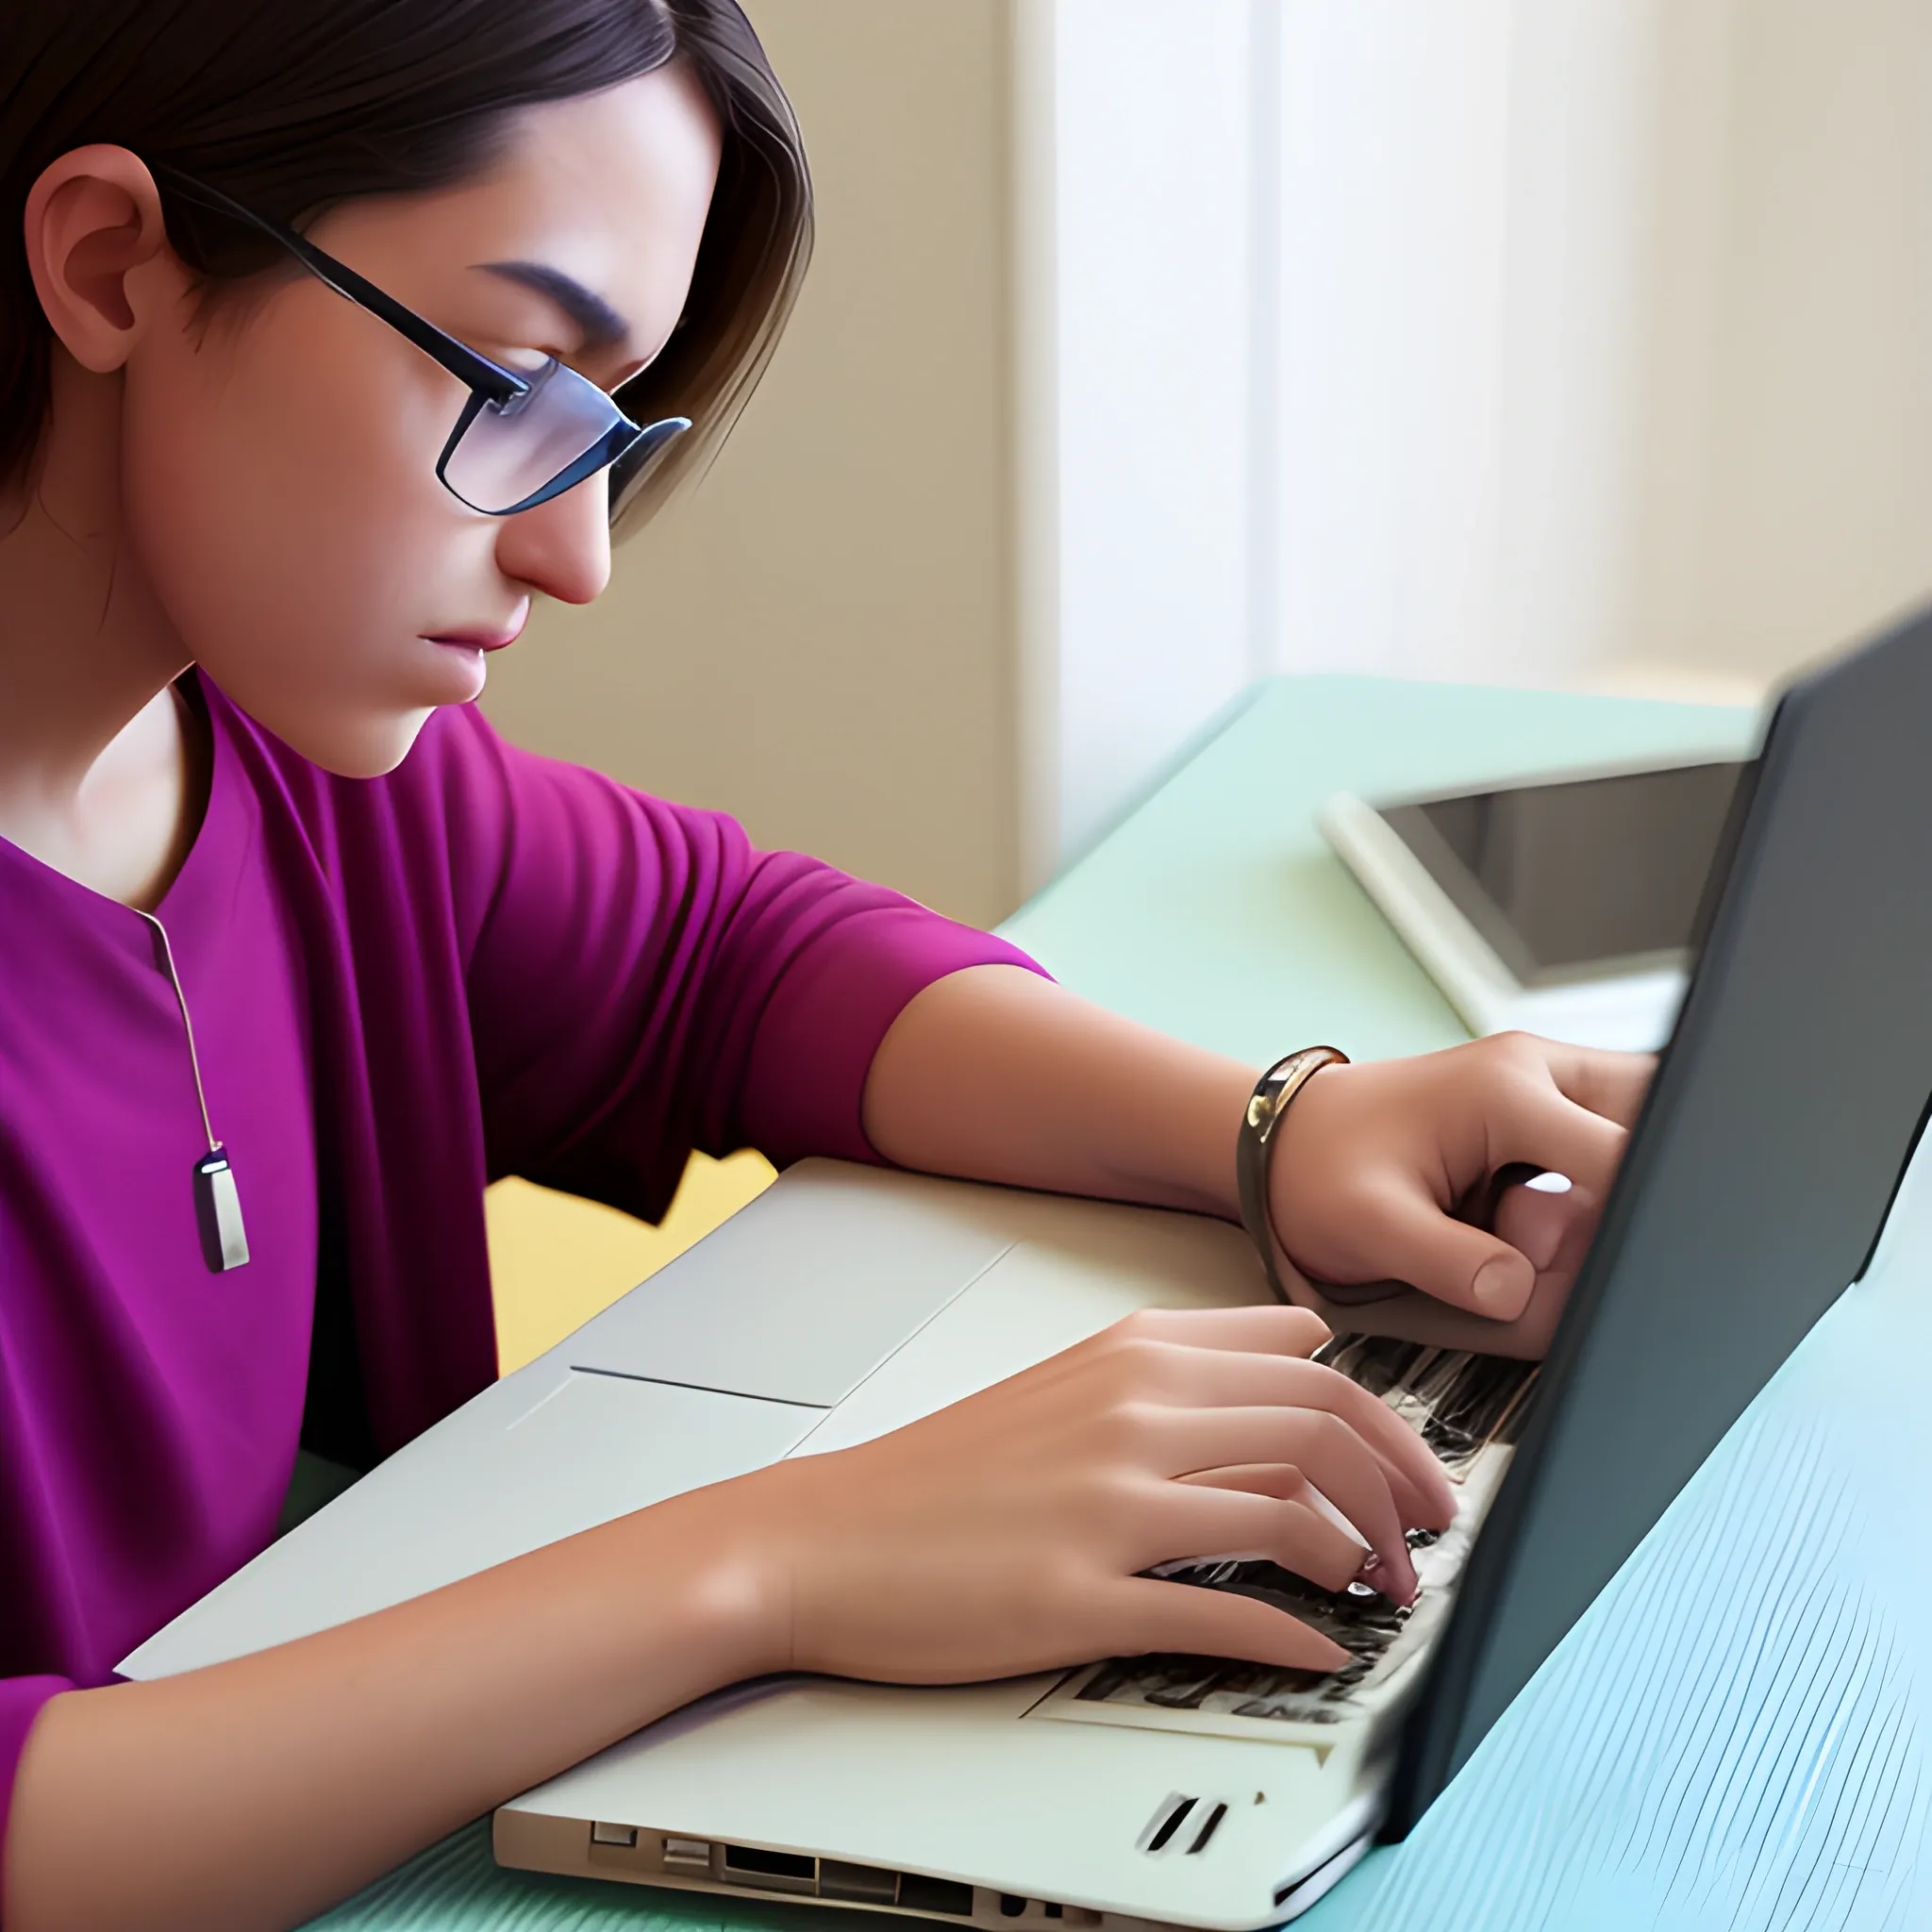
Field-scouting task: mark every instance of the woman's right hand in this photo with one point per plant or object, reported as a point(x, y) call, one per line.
point(1005, 1534)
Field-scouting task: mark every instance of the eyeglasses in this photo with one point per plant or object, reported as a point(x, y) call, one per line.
point(520, 438)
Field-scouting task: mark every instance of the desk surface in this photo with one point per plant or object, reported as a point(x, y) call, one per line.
point(1731, 1736)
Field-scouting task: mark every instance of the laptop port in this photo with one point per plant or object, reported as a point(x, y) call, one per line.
point(867, 1885)
point(770, 1871)
point(626, 1835)
point(1011, 1907)
point(918, 1894)
point(687, 1853)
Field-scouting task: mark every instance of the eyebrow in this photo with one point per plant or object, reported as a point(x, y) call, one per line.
point(599, 323)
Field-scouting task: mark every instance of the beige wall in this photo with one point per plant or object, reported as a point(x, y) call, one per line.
point(1786, 479)
point(820, 638)
point(826, 639)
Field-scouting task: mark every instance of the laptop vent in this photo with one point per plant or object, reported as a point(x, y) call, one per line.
point(1209, 1825)
point(757, 1869)
point(1182, 1821)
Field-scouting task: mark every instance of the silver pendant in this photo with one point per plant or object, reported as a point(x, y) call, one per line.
point(218, 1209)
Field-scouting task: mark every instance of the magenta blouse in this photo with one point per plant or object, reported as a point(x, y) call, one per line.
point(486, 963)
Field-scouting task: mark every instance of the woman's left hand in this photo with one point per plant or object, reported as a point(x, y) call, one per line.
point(1375, 1163)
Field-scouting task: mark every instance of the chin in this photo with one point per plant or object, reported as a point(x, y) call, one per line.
point(359, 748)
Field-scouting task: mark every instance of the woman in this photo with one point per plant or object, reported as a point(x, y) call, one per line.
point(297, 956)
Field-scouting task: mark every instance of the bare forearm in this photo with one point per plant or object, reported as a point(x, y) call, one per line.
point(995, 1073)
point(255, 1793)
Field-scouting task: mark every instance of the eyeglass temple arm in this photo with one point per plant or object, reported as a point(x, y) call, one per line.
point(488, 378)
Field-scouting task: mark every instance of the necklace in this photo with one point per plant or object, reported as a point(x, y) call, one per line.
point(216, 1205)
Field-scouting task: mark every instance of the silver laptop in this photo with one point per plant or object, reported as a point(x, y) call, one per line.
point(847, 1301)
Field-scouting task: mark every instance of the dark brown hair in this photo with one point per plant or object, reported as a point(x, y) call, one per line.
point(293, 106)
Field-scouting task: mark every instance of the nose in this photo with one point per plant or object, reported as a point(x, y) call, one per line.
point(563, 547)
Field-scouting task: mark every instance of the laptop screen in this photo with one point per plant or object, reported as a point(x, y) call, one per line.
point(1786, 1105)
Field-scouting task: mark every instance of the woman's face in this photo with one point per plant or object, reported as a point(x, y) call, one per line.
point(278, 459)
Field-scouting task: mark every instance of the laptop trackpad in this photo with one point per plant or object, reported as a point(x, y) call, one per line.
point(799, 1296)
point(1036, 1299)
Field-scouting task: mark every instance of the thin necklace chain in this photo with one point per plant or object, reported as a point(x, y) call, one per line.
point(186, 1022)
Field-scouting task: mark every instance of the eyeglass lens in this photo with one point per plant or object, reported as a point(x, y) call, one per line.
point(506, 454)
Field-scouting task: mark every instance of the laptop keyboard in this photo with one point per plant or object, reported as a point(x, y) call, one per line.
point(1469, 1408)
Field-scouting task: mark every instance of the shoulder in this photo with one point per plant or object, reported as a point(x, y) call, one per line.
point(468, 820)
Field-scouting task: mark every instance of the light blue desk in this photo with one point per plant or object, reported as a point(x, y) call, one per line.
point(1732, 1737)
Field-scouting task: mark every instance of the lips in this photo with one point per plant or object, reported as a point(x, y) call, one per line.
point(483, 640)
point(478, 641)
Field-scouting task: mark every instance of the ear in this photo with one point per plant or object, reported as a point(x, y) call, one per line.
point(93, 220)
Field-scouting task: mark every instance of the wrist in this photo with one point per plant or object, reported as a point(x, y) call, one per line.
point(685, 1600)
point(1260, 1165)
point(729, 1547)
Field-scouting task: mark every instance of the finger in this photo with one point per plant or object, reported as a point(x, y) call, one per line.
point(1265, 1329)
point(1610, 1084)
point(1467, 1267)
point(1411, 1316)
point(1543, 1227)
point(1327, 1451)
point(1205, 1379)
point(1281, 1480)
point(1536, 1122)
point(1150, 1616)
point(1287, 1528)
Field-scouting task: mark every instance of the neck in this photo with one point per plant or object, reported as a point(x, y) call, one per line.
point(90, 745)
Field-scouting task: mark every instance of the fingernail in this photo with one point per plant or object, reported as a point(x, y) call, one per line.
point(1498, 1288)
point(1398, 1587)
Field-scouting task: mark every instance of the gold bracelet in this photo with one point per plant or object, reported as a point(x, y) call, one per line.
point(1269, 1102)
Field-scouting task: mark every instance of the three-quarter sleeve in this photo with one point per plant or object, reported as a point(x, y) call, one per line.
point(643, 982)
point(22, 1699)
